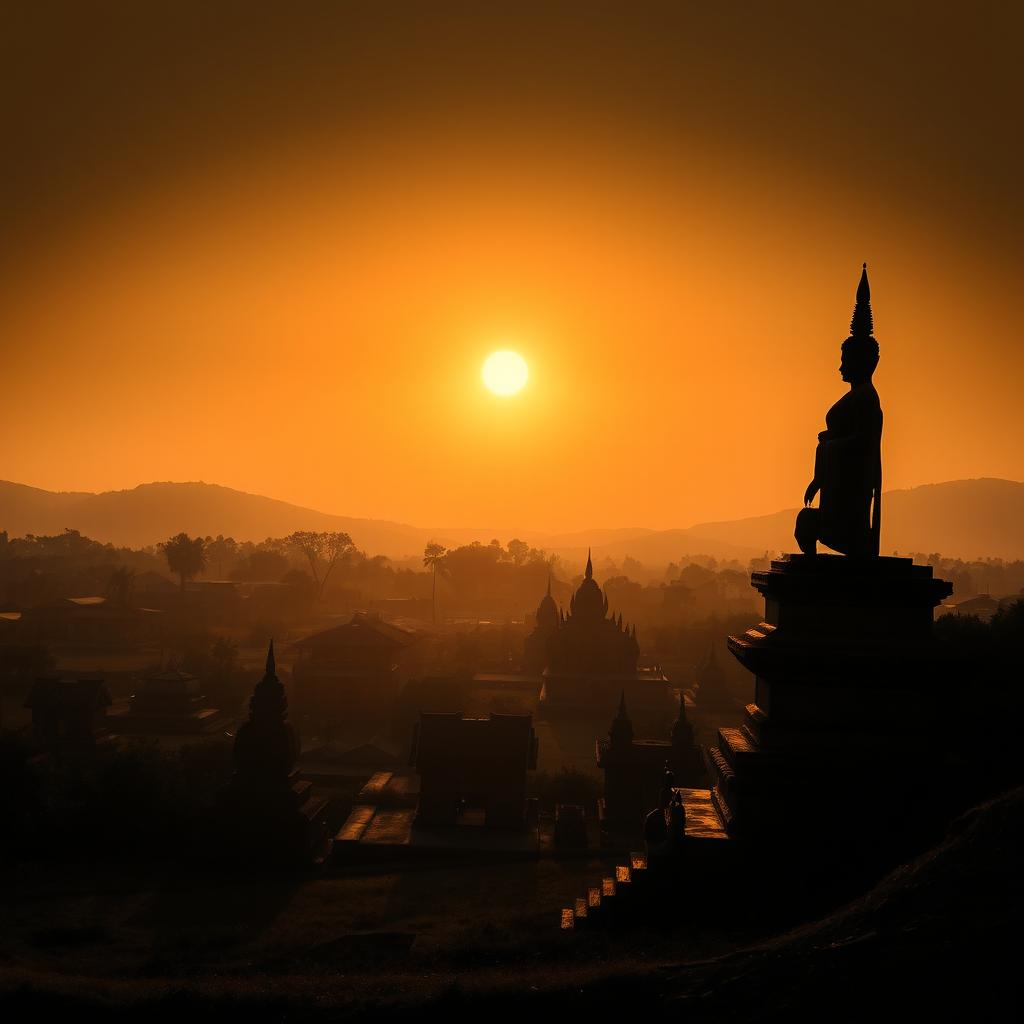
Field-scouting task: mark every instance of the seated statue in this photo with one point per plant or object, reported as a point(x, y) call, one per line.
point(848, 462)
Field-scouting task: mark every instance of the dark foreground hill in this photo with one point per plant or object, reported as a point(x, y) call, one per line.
point(936, 940)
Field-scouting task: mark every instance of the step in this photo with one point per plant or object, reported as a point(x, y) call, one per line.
point(756, 722)
point(724, 812)
point(374, 788)
point(753, 637)
point(736, 746)
point(702, 819)
point(719, 768)
point(356, 823)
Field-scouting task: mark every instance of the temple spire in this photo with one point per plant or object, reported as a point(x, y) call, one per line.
point(623, 713)
point(271, 663)
point(862, 324)
point(589, 573)
point(549, 584)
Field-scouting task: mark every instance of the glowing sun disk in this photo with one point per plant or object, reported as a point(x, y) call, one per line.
point(505, 372)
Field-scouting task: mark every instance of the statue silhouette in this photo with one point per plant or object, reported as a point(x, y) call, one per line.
point(848, 460)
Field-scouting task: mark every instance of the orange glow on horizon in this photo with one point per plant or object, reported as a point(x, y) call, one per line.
point(311, 329)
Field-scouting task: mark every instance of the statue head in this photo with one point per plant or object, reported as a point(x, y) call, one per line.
point(860, 350)
point(859, 359)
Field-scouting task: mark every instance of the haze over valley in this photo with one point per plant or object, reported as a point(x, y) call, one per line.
point(958, 519)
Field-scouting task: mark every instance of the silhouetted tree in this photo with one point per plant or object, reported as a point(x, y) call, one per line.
point(119, 586)
point(433, 559)
point(261, 564)
point(186, 556)
point(322, 550)
point(518, 550)
point(221, 549)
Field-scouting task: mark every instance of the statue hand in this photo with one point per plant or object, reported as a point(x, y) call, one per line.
point(812, 490)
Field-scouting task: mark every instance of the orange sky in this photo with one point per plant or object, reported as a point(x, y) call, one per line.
point(300, 306)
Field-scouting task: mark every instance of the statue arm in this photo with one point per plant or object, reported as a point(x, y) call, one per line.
point(815, 485)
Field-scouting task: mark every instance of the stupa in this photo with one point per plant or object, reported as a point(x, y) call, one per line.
point(592, 657)
point(267, 812)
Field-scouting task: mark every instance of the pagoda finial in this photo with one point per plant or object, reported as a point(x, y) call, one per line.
point(271, 663)
point(549, 584)
point(589, 573)
point(623, 713)
point(862, 324)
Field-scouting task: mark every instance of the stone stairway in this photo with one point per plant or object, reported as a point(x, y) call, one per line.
point(747, 778)
point(633, 889)
point(617, 899)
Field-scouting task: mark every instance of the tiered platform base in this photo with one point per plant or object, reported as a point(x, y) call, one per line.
point(843, 745)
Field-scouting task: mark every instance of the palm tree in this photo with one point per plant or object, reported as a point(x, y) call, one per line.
point(186, 556)
point(433, 559)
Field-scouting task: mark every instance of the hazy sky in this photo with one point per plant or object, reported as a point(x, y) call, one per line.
point(271, 250)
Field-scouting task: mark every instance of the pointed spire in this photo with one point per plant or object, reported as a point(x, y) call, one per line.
point(862, 324)
point(681, 717)
point(549, 584)
point(623, 713)
point(271, 663)
point(589, 573)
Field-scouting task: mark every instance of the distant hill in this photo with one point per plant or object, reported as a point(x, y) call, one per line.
point(153, 512)
point(962, 518)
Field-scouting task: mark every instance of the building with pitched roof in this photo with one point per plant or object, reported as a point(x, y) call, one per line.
point(355, 669)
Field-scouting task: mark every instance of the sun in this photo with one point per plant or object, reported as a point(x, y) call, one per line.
point(505, 372)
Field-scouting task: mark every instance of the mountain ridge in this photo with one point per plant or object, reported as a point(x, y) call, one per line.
point(958, 518)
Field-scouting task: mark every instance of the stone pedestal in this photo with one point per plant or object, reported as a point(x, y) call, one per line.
point(843, 740)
